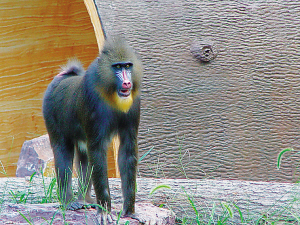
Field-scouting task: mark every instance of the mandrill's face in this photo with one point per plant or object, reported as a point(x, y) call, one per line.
point(122, 71)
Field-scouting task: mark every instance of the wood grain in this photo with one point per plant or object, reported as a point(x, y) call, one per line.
point(96, 22)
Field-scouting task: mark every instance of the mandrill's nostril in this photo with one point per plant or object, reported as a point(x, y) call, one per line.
point(126, 84)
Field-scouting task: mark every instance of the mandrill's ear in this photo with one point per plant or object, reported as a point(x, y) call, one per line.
point(104, 51)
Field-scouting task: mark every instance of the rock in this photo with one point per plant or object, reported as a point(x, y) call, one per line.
point(152, 214)
point(36, 155)
point(49, 213)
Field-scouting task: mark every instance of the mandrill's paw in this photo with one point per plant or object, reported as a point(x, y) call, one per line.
point(87, 203)
point(76, 205)
point(136, 216)
point(106, 218)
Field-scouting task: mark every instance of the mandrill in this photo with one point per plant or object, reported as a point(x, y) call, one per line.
point(83, 110)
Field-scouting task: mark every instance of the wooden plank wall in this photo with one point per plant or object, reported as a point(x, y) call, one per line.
point(36, 37)
point(225, 119)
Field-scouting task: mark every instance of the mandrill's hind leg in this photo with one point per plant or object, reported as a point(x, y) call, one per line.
point(63, 151)
point(84, 175)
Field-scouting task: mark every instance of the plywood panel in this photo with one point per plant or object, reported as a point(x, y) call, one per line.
point(36, 37)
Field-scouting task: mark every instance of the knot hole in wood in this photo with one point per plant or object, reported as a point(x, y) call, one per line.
point(204, 50)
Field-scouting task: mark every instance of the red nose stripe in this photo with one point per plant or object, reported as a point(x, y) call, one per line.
point(124, 74)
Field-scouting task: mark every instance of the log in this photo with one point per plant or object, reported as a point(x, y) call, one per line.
point(255, 200)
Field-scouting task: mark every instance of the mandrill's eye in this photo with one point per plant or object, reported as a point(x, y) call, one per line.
point(120, 65)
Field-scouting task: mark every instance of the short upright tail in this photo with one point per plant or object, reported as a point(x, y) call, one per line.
point(72, 68)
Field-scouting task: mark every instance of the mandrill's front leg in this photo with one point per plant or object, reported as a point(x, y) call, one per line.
point(98, 159)
point(127, 161)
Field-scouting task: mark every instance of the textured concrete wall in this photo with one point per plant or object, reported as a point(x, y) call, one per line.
point(225, 119)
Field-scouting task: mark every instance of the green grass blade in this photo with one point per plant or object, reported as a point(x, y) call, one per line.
point(27, 220)
point(193, 206)
point(159, 187)
point(280, 156)
point(31, 177)
point(147, 153)
point(119, 216)
point(240, 213)
point(211, 218)
point(229, 210)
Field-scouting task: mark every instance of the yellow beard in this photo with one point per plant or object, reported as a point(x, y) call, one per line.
point(122, 104)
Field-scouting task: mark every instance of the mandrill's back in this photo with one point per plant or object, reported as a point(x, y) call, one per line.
point(61, 94)
point(67, 81)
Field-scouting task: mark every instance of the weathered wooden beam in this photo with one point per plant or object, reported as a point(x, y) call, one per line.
point(96, 21)
point(255, 200)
